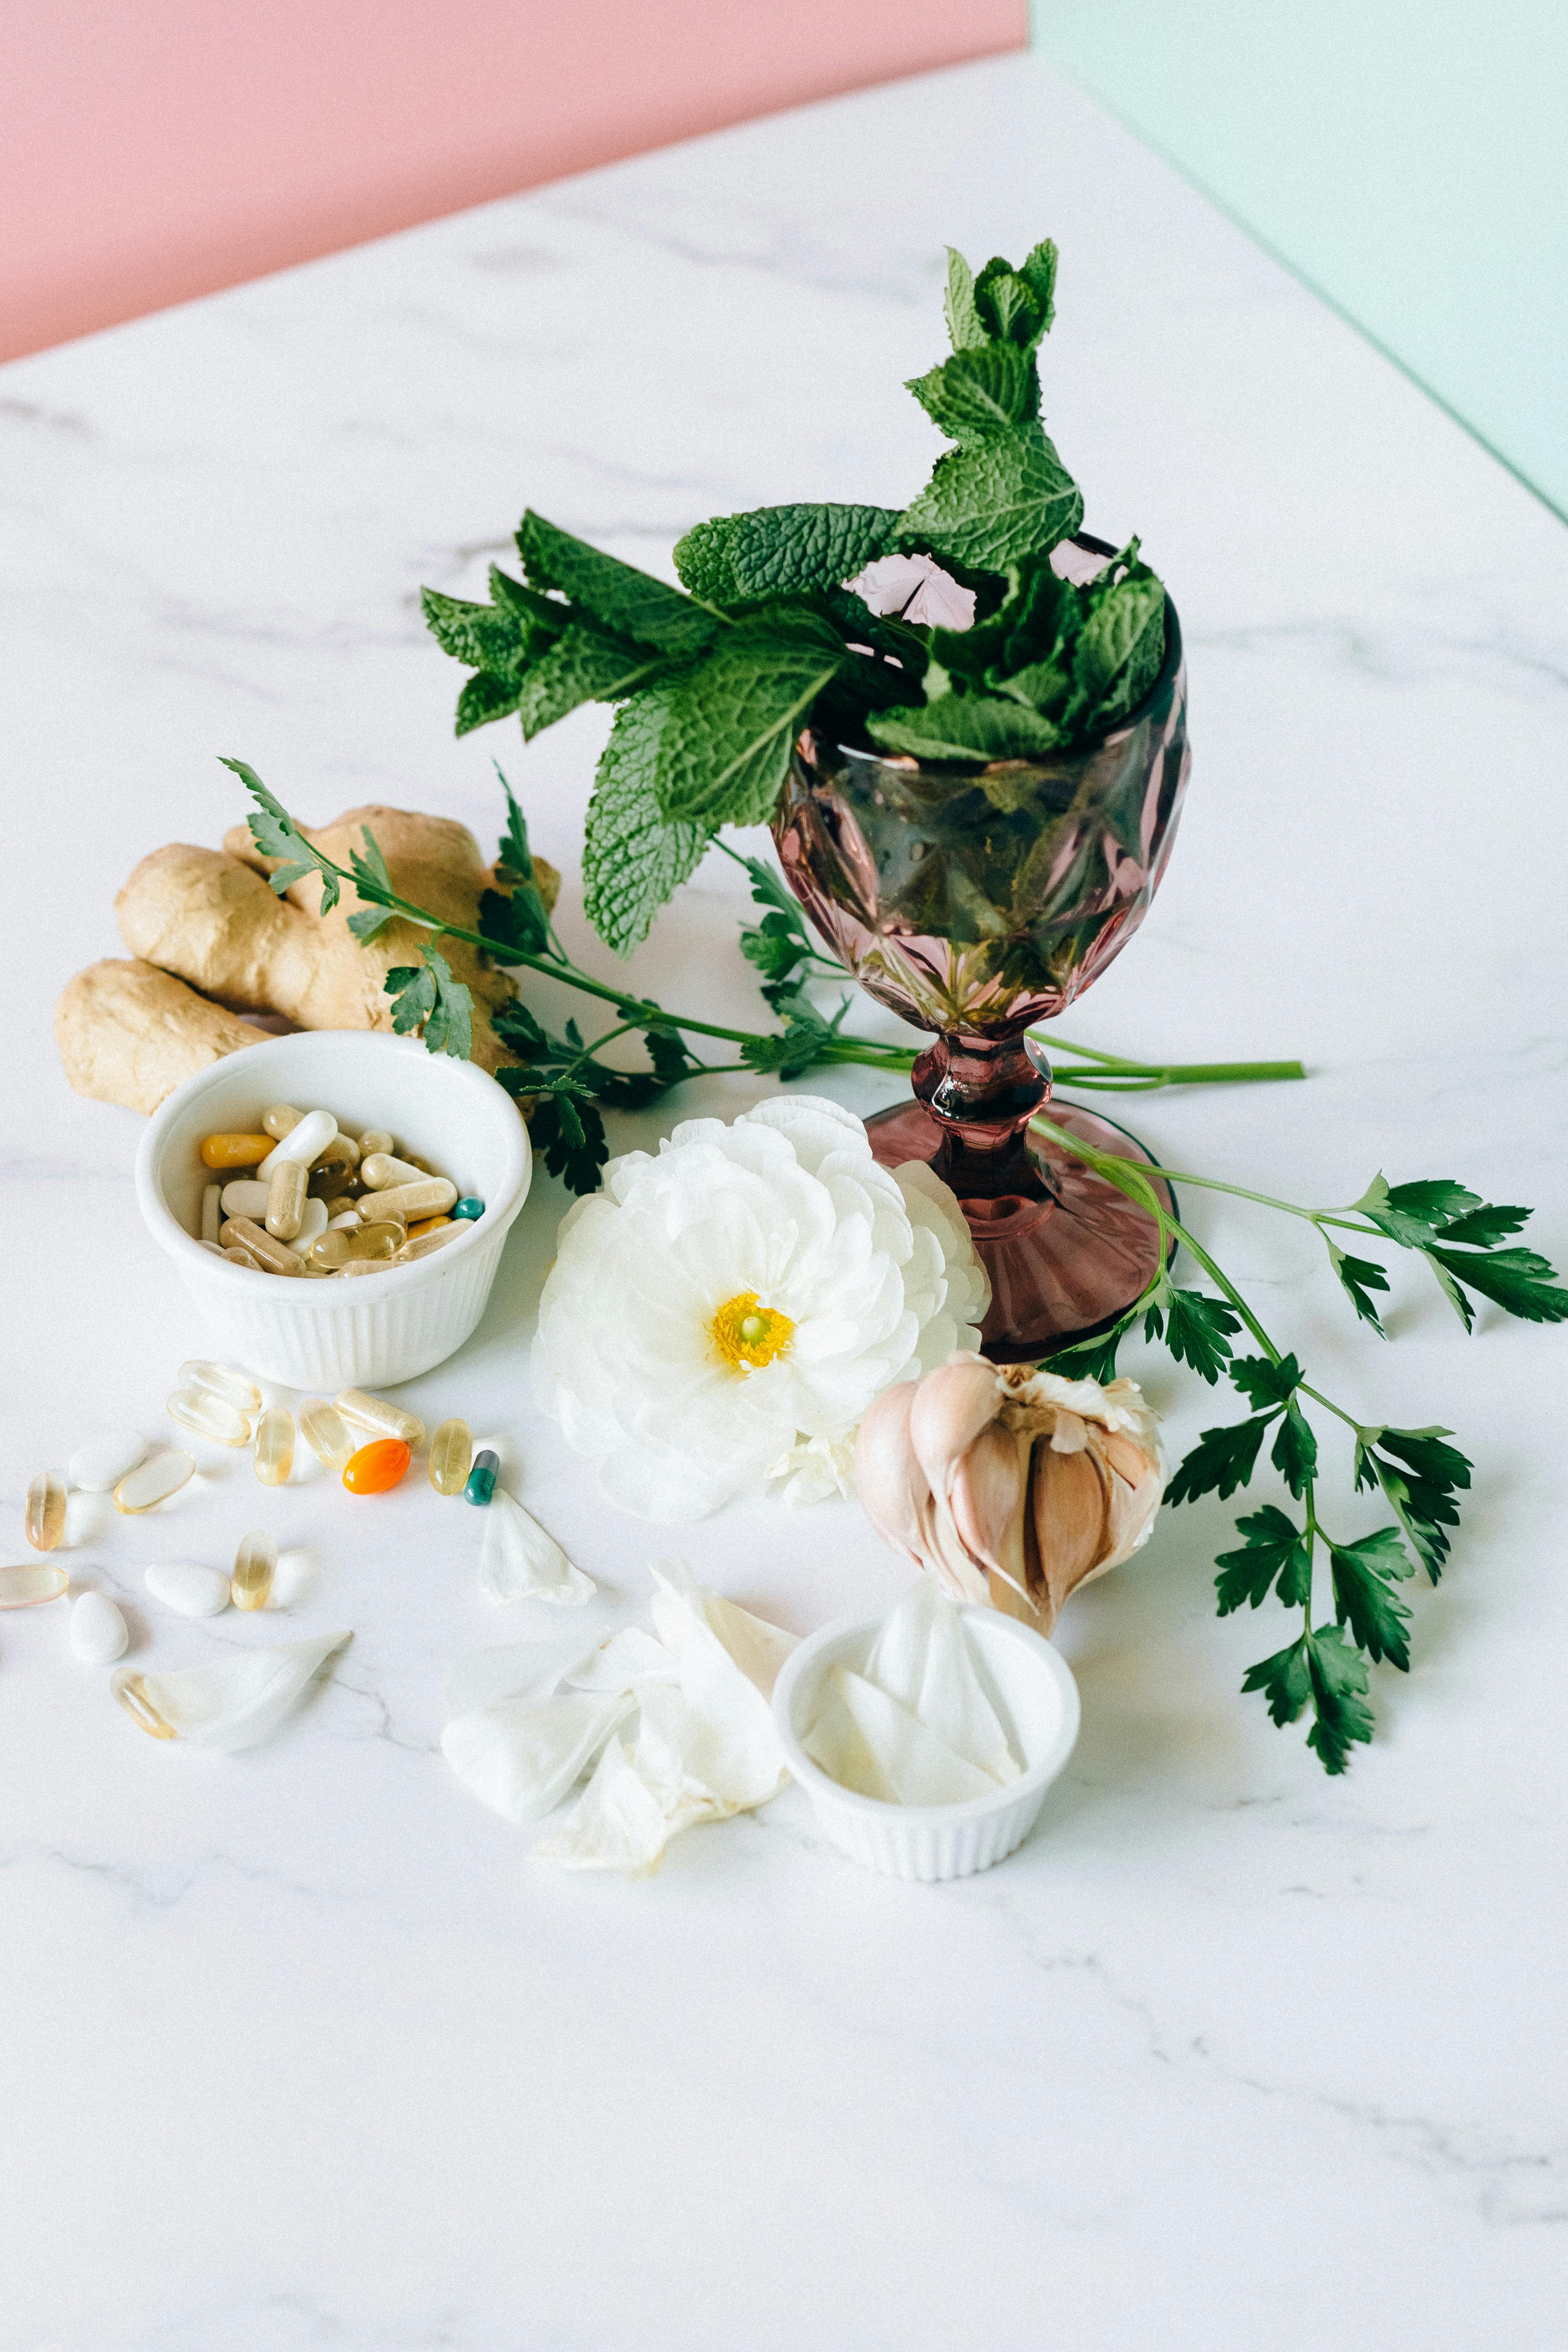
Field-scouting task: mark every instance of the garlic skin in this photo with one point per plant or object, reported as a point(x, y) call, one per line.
point(1012, 1487)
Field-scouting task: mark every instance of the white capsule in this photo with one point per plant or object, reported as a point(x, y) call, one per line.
point(97, 1630)
point(305, 1142)
point(312, 1225)
point(246, 1198)
point(96, 1468)
point(212, 1212)
point(187, 1588)
point(378, 1170)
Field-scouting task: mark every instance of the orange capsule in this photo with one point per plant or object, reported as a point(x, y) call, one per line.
point(236, 1150)
point(376, 1467)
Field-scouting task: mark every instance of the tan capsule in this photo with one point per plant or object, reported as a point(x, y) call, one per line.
point(413, 1249)
point(274, 1455)
point(246, 1196)
point(280, 1120)
point(199, 1410)
point(431, 1197)
point(152, 1482)
point(45, 1513)
point(286, 1199)
point(254, 1564)
point(201, 1372)
point(451, 1457)
point(242, 1258)
point(375, 1241)
point(275, 1256)
point(327, 1255)
point(24, 1588)
point(130, 1690)
point(375, 1139)
point(378, 1170)
point(212, 1212)
point(382, 1419)
point(325, 1433)
point(426, 1226)
point(212, 1247)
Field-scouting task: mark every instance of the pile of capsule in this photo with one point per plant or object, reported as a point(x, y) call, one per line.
point(300, 1197)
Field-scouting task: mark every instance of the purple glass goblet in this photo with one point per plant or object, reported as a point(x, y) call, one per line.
point(976, 900)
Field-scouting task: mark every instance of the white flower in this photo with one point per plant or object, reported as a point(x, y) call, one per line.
point(814, 1469)
point(750, 1288)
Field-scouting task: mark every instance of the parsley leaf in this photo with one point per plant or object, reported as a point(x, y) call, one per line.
point(1363, 1573)
point(1420, 1476)
point(1222, 1460)
point(1200, 1328)
point(1360, 1277)
point(1319, 1669)
point(275, 834)
point(371, 880)
point(1294, 1453)
point(567, 1131)
point(1263, 1382)
point(1520, 1281)
point(1274, 1555)
point(426, 997)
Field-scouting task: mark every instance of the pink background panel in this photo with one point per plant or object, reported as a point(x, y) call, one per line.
point(153, 149)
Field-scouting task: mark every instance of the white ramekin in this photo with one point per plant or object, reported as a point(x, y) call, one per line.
point(375, 1329)
point(1032, 1688)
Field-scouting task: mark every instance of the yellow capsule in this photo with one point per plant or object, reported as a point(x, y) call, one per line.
point(274, 1456)
point(253, 1565)
point(21, 1588)
point(131, 1691)
point(430, 1197)
point(208, 1415)
point(426, 1226)
point(375, 1139)
point(433, 1240)
point(325, 1255)
point(235, 1151)
point(325, 1433)
point(282, 1120)
point(201, 1372)
point(375, 1241)
point(286, 1199)
point(152, 1482)
point(451, 1457)
point(46, 1514)
point(275, 1256)
point(212, 1211)
point(382, 1419)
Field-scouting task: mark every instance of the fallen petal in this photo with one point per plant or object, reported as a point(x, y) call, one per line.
point(921, 1657)
point(896, 1759)
point(520, 1562)
point(617, 1823)
point(234, 1702)
point(521, 1758)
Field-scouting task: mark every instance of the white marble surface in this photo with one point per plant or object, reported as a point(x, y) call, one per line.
point(301, 2049)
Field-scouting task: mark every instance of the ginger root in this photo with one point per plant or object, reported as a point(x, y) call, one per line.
point(207, 924)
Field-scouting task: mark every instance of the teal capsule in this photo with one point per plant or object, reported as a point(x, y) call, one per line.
point(469, 1208)
point(481, 1483)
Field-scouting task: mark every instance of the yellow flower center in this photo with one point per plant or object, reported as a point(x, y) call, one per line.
point(748, 1336)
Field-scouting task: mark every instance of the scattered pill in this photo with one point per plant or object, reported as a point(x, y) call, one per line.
point(430, 1197)
point(128, 1688)
point(96, 1468)
point(325, 1432)
point(244, 1233)
point(24, 1588)
point(152, 1482)
point(202, 1372)
point(380, 1416)
point(44, 1521)
point(98, 1630)
point(379, 1169)
point(377, 1467)
point(187, 1588)
point(286, 1199)
point(376, 1241)
point(434, 1237)
point(304, 1142)
point(451, 1455)
point(209, 1416)
point(469, 1209)
point(274, 1456)
point(242, 1196)
point(212, 1212)
point(235, 1151)
point(375, 1139)
point(253, 1565)
point(481, 1483)
point(282, 1120)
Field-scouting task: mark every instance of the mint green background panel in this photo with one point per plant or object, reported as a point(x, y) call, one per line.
point(1408, 158)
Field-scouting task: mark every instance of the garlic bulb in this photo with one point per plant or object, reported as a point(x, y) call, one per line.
point(1012, 1487)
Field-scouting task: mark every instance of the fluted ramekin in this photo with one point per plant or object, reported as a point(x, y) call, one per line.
point(1032, 1688)
point(375, 1329)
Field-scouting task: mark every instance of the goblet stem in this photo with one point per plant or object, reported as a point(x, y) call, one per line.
point(982, 1093)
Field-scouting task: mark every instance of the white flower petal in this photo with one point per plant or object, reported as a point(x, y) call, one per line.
point(625, 1663)
point(921, 1657)
point(518, 1561)
point(521, 1758)
point(237, 1700)
point(868, 1742)
point(617, 1823)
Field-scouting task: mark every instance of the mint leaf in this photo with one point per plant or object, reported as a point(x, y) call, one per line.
point(1122, 644)
point(633, 859)
point(427, 996)
point(1040, 274)
point(977, 393)
point(724, 745)
point(1222, 1460)
point(1274, 1555)
point(583, 666)
point(1363, 1573)
point(965, 727)
point(988, 504)
point(1200, 1330)
point(626, 601)
point(782, 550)
point(485, 697)
point(964, 325)
point(1017, 305)
point(476, 635)
point(1360, 1277)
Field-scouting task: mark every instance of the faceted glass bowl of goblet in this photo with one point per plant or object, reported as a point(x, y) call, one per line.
point(976, 899)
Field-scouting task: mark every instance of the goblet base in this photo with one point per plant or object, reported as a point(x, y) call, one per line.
point(1064, 1267)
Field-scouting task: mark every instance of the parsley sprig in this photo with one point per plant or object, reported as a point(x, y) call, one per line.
point(1419, 1476)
